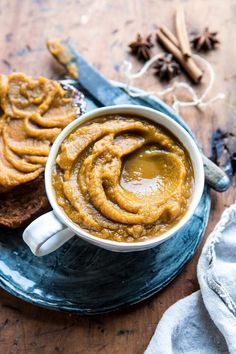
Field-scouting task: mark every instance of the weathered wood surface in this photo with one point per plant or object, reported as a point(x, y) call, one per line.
point(101, 30)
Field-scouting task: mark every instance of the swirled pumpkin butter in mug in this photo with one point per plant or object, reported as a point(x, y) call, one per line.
point(123, 178)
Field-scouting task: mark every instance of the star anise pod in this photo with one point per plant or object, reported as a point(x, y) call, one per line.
point(205, 41)
point(166, 67)
point(142, 47)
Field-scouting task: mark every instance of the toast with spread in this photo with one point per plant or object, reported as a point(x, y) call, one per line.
point(33, 113)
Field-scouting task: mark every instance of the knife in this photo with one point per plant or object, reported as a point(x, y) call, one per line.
point(104, 93)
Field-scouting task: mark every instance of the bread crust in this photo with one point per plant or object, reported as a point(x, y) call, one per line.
point(22, 204)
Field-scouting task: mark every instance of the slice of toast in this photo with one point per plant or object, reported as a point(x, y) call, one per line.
point(22, 204)
point(27, 130)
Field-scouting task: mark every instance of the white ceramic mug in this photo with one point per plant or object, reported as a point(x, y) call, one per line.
point(51, 230)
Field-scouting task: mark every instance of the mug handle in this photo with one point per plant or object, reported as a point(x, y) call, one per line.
point(46, 234)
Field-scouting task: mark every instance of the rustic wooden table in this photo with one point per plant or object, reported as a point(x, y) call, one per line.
point(101, 30)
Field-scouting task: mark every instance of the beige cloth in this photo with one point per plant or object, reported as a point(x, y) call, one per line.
point(205, 322)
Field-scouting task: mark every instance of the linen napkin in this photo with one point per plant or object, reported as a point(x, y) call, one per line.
point(205, 322)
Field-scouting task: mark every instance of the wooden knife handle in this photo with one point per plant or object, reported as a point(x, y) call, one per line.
point(215, 177)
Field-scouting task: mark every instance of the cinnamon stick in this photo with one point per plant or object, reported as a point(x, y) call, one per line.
point(169, 35)
point(188, 64)
point(182, 32)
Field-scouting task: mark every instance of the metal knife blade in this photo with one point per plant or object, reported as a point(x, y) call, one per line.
point(92, 80)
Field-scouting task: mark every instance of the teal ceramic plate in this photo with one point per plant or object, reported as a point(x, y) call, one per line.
point(84, 279)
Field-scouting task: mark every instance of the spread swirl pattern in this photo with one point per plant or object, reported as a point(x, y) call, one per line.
point(102, 174)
